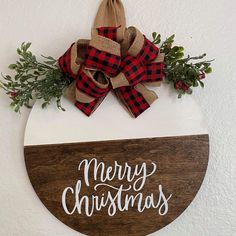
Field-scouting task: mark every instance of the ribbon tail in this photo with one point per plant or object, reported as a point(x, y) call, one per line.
point(89, 108)
point(136, 99)
point(83, 102)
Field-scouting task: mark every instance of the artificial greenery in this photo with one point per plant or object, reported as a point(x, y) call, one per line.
point(34, 80)
point(183, 73)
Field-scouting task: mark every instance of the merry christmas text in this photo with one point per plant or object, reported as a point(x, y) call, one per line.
point(128, 194)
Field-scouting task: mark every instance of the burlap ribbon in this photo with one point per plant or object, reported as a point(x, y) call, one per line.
point(116, 58)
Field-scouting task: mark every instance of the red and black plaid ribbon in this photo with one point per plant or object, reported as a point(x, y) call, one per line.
point(102, 66)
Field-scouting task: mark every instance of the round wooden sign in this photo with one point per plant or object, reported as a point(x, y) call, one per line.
point(111, 174)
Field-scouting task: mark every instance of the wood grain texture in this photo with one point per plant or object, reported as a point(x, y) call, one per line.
point(182, 163)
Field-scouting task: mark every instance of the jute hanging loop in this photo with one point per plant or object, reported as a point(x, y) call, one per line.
point(116, 58)
point(110, 13)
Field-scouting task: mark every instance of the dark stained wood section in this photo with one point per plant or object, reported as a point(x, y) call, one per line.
point(182, 163)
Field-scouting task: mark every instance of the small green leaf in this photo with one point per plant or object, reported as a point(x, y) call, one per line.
point(156, 38)
point(17, 108)
point(171, 39)
point(190, 91)
point(27, 46)
point(7, 77)
point(175, 49)
point(12, 105)
point(208, 70)
point(50, 62)
point(1, 86)
point(18, 51)
point(49, 58)
point(179, 96)
point(44, 105)
point(179, 55)
point(12, 66)
point(202, 84)
point(154, 35)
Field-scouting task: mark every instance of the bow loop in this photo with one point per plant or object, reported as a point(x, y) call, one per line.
point(94, 84)
point(67, 62)
point(103, 54)
point(149, 52)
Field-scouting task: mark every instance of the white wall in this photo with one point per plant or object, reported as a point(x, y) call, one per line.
point(200, 25)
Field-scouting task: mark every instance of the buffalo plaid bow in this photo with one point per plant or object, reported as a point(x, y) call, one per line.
point(102, 64)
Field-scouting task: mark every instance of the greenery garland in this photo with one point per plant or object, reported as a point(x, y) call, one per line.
point(34, 80)
point(183, 73)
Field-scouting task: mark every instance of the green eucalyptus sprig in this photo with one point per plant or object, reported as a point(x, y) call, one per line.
point(34, 80)
point(183, 73)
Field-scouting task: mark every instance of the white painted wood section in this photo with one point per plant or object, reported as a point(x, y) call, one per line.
point(169, 116)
